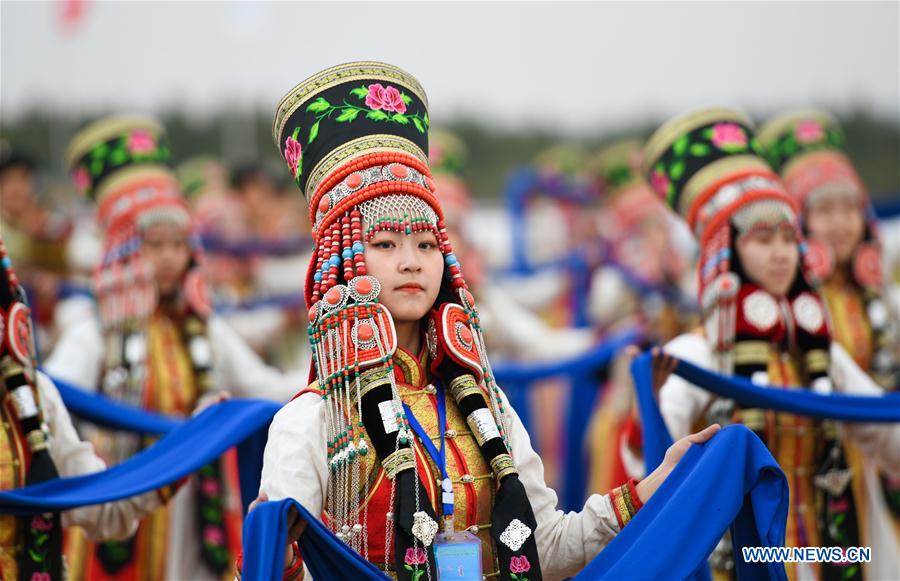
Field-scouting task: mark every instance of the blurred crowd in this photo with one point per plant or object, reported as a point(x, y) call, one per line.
point(582, 248)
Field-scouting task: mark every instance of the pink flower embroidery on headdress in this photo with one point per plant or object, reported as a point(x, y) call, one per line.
point(660, 183)
point(381, 98)
point(82, 179)
point(519, 564)
point(725, 135)
point(293, 153)
point(37, 576)
point(809, 131)
point(141, 142)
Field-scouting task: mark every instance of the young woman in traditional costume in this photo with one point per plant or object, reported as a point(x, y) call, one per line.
point(806, 148)
point(404, 433)
point(764, 320)
point(38, 442)
point(155, 345)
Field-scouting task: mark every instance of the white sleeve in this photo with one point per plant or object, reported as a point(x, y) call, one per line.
point(525, 335)
point(566, 542)
point(681, 402)
point(238, 369)
point(295, 461)
point(878, 441)
point(73, 457)
point(78, 355)
point(257, 327)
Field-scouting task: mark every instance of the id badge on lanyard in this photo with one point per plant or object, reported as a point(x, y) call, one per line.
point(457, 554)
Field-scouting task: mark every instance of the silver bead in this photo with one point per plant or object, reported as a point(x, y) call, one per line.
point(390, 516)
point(467, 478)
point(345, 529)
point(357, 528)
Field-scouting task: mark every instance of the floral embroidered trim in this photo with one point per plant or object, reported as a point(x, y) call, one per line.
point(382, 103)
point(335, 76)
point(518, 565)
point(692, 149)
point(139, 146)
point(414, 557)
point(805, 136)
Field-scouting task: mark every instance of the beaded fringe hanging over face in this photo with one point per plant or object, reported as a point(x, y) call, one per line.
point(352, 335)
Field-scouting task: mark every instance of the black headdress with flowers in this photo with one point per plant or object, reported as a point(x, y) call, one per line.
point(355, 138)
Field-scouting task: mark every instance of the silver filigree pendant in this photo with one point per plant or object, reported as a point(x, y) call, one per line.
point(424, 528)
point(515, 534)
point(834, 482)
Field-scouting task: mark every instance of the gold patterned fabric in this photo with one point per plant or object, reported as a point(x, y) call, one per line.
point(796, 443)
point(850, 323)
point(474, 484)
point(12, 475)
point(171, 389)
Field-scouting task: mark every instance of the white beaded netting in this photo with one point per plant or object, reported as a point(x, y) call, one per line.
point(764, 213)
point(400, 212)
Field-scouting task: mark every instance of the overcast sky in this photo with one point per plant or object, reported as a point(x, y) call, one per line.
point(574, 67)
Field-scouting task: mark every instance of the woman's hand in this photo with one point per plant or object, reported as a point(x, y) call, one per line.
point(663, 365)
point(210, 400)
point(296, 527)
point(647, 486)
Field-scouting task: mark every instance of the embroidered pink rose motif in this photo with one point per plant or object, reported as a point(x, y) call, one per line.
point(660, 183)
point(141, 142)
point(415, 556)
point(519, 565)
point(393, 100)
point(381, 98)
point(210, 487)
point(809, 131)
point(213, 535)
point(293, 153)
point(728, 135)
point(82, 179)
point(40, 577)
point(838, 505)
point(39, 523)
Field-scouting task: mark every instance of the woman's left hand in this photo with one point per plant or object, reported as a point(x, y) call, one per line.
point(210, 400)
point(647, 486)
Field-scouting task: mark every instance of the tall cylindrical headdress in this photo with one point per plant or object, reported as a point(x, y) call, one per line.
point(122, 164)
point(710, 169)
point(807, 149)
point(355, 139)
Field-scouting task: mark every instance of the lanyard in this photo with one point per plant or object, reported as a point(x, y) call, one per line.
point(440, 458)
